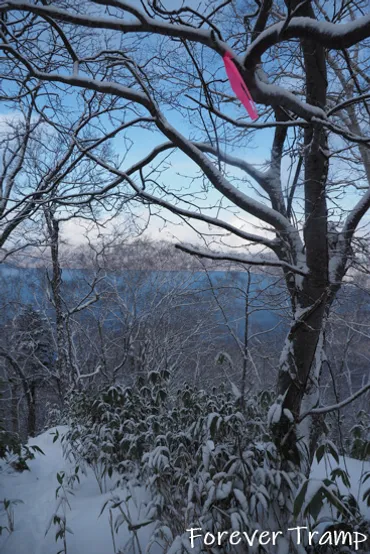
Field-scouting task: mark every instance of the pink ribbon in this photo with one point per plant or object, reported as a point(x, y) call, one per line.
point(239, 87)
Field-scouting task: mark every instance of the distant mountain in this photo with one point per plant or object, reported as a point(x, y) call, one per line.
point(226, 288)
point(268, 304)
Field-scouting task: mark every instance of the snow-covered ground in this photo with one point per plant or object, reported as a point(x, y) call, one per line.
point(356, 469)
point(91, 532)
point(36, 488)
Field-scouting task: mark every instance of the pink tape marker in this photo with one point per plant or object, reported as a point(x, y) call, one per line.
point(239, 87)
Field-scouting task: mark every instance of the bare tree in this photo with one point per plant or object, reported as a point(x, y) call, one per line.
point(42, 162)
point(154, 61)
point(146, 320)
point(28, 360)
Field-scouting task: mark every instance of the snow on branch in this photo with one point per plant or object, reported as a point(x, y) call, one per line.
point(243, 201)
point(269, 180)
point(338, 406)
point(249, 125)
point(145, 24)
point(108, 87)
point(349, 102)
point(270, 95)
point(264, 93)
point(150, 157)
point(202, 253)
point(152, 199)
point(353, 220)
point(259, 176)
point(331, 35)
point(275, 96)
point(328, 34)
point(256, 208)
point(232, 193)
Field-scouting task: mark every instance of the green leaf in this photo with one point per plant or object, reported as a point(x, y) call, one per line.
point(333, 499)
point(343, 475)
point(366, 497)
point(139, 525)
point(320, 453)
point(332, 449)
point(315, 505)
point(298, 502)
point(36, 448)
point(104, 506)
point(60, 478)
point(366, 477)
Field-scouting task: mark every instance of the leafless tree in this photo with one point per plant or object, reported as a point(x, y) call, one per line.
point(28, 360)
point(163, 68)
point(42, 164)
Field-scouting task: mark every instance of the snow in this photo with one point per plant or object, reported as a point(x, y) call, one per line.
point(274, 414)
point(91, 531)
point(36, 488)
point(107, 87)
point(326, 33)
point(275, 94)
point(356, 470)
point(239, 198)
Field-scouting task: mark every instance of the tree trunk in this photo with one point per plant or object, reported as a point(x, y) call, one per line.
point(246, 342)
point(14, 409)
point(31, 403)
point(301, 360)
point(56, 284)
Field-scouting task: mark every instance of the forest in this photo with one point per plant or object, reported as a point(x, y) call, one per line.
point(184, 276)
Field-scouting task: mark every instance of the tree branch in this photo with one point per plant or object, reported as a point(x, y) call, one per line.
point(239, 259)
point(331, 35)
point(335, 407)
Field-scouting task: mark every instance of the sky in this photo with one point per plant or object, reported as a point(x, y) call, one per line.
point(181, 165)
point(258, 153)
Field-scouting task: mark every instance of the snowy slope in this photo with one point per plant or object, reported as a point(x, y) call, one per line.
point(91, 533)
point(355, 468)
point(36, 488)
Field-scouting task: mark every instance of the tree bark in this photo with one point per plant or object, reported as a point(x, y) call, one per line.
point(14, 409)
point(31, 404)
point(56, 284)
point(300, 366)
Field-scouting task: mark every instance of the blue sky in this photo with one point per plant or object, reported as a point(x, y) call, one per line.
point(257, 152)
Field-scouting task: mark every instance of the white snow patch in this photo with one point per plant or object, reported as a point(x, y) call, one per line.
point(91, 533)
point(36, 488)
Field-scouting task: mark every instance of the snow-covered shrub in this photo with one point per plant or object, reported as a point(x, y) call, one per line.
point(206, 463)
point(328, 504)
point(360, 447)
point(218, 471)
point(114, 427)
point(360, 437)
point(9, 442)
point(12, 449)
